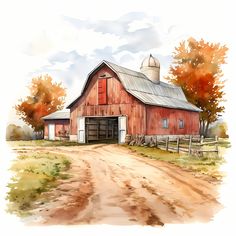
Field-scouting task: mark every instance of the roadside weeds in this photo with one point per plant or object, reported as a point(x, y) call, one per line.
point(34, 173)
point(209, 166)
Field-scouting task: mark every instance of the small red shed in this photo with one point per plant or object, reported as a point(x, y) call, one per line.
point(57, 125)
point(116, 101)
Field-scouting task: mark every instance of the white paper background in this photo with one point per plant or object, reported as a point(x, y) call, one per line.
point(20, 24)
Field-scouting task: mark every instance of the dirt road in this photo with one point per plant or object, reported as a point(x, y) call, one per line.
point(112, 185)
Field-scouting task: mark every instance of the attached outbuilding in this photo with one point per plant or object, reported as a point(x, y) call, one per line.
point(116, 101)
point(57, 125)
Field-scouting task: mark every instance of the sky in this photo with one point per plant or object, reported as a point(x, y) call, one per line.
point(67, 39)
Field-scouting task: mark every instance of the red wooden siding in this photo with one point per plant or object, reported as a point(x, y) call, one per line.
point(59, 126)
point(102, 91)
point(156, 114)
point(141, 118)
point(119, 102)
point(46, 128)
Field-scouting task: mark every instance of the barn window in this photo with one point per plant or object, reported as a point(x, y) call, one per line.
point(102, 91)
point(165, 123)
point(181, 124)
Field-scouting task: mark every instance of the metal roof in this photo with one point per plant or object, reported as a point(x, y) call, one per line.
point(137, 84)
point(162, 101)
point(58, 115)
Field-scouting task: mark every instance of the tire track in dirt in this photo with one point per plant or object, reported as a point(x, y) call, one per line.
point(195, 189)
point(132, 202)
point(136, 208)
point(171, 205)
point(137, 205)
point(104, 207)
point(69, 198)
point(189, 202)
point(111, 185)
point(152, 189)
point(141, 199)
point(177, 172)
point(139, 208)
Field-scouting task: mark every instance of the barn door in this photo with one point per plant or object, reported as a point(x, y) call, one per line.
point(81, 129)
point(102, 91)
point(51, 131)
point(122, 128)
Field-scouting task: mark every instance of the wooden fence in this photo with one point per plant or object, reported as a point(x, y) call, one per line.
point(191, 145)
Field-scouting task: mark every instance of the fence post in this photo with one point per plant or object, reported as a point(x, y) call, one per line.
point(217, 149)
point(178, 145)
point(156, 142)
point(201, 146)
point(190, 145)
point(201, 140)
point(167, 143)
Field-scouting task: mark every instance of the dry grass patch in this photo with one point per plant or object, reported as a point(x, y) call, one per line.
point(203, 165)
point(34, 174)
point(42, 143)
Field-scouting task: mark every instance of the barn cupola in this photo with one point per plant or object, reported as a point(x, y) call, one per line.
point(151, 68)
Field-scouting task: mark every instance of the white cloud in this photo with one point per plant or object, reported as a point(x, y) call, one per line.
point(138, 24)
point(61, 65)
point(41, 30)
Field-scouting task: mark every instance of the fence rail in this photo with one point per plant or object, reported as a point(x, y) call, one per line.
point(191, 145)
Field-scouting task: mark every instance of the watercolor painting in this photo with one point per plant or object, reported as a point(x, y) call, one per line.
point(119, 118)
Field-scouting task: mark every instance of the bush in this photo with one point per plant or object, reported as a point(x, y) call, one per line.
point(14, 132)
point(219, 130)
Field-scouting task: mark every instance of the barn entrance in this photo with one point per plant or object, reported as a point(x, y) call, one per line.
point(101, 129)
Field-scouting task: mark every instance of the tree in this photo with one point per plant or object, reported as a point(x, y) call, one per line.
point(15, 132)
point(45, 97)
point(219, 129)
point(197, 69)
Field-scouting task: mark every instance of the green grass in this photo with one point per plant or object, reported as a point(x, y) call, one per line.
point(203, 165)
point(34, 174)
point(42, 143)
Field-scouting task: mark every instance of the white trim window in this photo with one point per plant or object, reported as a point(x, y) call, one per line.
point(165, 123)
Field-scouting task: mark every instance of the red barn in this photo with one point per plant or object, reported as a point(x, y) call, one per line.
point(57, 125)
point(116, 101)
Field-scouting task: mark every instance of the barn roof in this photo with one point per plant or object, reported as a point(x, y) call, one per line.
point(58, 115)
point(137, 84)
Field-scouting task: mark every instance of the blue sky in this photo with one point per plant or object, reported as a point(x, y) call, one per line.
point(67, 39)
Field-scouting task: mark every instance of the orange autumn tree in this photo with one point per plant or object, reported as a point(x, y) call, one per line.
point(197, 69)
point(45, 97)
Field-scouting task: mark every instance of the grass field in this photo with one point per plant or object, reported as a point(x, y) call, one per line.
point(38, 172)
point(203, 165)
point(224, 142)
point(34, 174)
point(50, 143)
point(43, 143)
